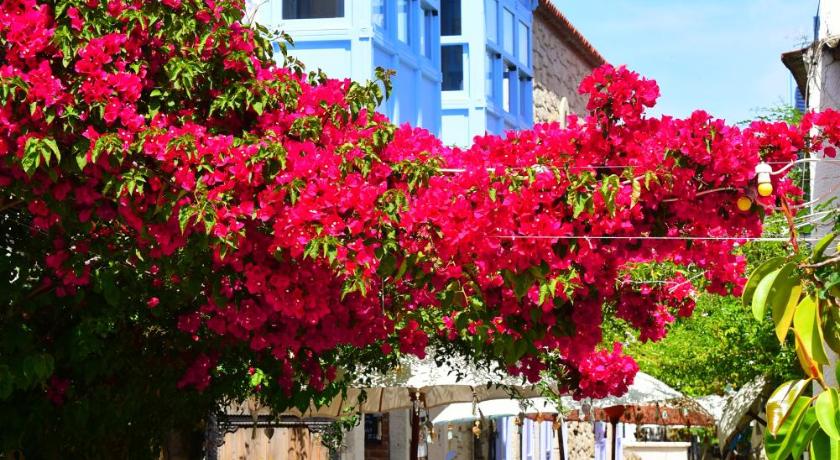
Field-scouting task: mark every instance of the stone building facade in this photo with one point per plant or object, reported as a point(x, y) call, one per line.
point(561, 58)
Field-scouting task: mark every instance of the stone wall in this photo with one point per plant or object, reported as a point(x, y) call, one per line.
point(581, 439)
point(558, 69)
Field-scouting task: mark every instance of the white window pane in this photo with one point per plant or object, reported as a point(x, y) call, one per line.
point(524, 40)
point(507, 30)
point(378, 13)
point(489, 81)
point(506, 92)
point(427, 25)
point(491, 11)
point(402, 20)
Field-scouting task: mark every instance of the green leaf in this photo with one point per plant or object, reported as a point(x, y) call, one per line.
point(522, 283)
point(831, 330)
point(779, 443)
point(403, 267)
point(387, 265)
point(31, 156)
point(81, 161)
point(7, 383)
point(762, 291)
point(804, 433)
point(53, 147)
point(257, 378)
point(760, 272)
point(545, 290)
point(806, 324)
point(636, 193)
point(184, 215)
point(782, 401)
point(824, 448)
point(821, 246)
point(828, 413)
point(784, 296)
point(109, 288)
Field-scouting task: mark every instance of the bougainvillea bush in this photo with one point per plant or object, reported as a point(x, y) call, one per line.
point(187, 221)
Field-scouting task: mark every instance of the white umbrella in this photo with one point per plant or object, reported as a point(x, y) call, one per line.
point(713, 404)
point(495, 408)
point(740, 408)
point(645, 389)
point(432, 385)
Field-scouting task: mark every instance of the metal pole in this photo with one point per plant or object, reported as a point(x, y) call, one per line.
point(560, 440)
point(415, 428)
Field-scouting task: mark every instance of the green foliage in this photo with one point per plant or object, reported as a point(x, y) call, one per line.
point(720, 346)
point(806, 303)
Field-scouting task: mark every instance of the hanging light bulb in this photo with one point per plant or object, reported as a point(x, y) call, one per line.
point(762, 172)
point(745, 203)
point(476, 429)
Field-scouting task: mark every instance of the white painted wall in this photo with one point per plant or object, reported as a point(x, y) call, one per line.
point(354, 442)
point(399, 432)
point(823, 93)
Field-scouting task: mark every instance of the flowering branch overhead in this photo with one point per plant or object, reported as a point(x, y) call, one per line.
point(271, 214)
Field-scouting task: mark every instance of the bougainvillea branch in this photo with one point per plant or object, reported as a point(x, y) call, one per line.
point(172, 165)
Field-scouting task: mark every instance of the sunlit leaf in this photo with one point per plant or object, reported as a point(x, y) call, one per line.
point(828, 412)
point(782, 401)
point(756, 276)
point(821, 246)
point(762, 292)
point(824, 448)
point(780, 442)
point(783, 310)
point(806, 324)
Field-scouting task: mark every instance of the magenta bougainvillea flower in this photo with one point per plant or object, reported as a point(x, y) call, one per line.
point(253, 207)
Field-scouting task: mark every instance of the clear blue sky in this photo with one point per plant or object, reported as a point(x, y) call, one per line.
point(718, 55)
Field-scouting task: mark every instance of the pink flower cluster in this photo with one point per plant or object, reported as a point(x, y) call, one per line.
point(311, 225)
point(606, 373)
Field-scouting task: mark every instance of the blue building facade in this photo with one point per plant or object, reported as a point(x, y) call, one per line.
point(491, 90)
point(463, 67)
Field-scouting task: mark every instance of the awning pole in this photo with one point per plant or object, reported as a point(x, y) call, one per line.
point(415, 427)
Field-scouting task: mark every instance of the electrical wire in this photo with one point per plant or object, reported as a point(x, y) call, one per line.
point(655, 238)
point(788, 165)
point(803, 160)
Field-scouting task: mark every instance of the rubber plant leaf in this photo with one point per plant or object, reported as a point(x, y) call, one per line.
point(808, 329)
point(760, 272)
point(762, 292)
point(781, 401)
point(828, 413)
point(779, 445)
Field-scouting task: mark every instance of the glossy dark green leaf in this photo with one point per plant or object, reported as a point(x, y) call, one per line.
point(824, 448)
point(804, 433)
